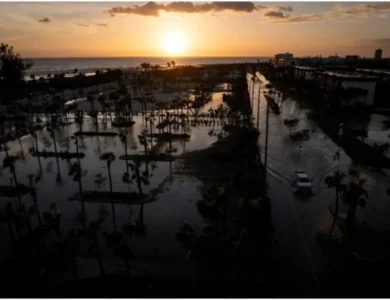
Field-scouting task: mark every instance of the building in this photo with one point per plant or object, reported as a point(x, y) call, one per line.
point(382, 90)
point(352, 88)
point(378, 54)
point(282, 59)
point(305, 73)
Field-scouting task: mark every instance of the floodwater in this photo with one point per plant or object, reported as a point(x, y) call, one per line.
point(158, 252)
point(297, 221)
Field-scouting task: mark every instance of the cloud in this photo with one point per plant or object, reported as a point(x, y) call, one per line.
point(339, 12)
point(276, 15)
point(44, 20)
point(102, 24)
point(83, 25)
point(261, 7)
point(285, 8)
point(310, 18)
point(153, 9)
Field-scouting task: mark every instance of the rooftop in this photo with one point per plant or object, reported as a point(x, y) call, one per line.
point(306, 68)
point(376, 72)
point(359, 77)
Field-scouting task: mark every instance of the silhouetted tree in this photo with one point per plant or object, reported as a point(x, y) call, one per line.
point(336, 182)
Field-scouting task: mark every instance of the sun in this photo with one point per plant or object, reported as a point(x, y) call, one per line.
point(174, 42)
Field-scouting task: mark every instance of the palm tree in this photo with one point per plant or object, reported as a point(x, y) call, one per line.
point(109, 157)
point(173, 63)
point(135, 168)
point(77, 173)
point(336, 182)
point(123, 138)
point(354, 196)
point(9, 162)
point(117, 240)
point(34, 135)
point(53, 135)
point(90, 232)
point(168, 64)
point(91, 100)
point(26, 212)
point(9, 215)
point(52, 218)
point(143, 141)
point(32, 180)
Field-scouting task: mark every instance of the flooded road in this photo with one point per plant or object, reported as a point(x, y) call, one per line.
point(297, 221)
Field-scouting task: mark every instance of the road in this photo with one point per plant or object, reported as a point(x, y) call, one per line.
point(296, 221)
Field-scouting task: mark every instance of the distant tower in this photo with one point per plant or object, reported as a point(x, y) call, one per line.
point(378, 54)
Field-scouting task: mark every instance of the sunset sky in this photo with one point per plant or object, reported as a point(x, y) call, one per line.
point(195, 28)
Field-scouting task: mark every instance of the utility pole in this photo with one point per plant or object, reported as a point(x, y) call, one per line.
point(266, 144)
point(258, 108)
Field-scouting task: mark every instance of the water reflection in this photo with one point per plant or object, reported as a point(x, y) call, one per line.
point(60, 179)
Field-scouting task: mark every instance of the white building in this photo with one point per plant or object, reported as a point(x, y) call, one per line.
point(282, 59)
point(360, 87)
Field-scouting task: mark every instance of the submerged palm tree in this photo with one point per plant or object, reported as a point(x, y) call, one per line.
point(53, 135)
point(336, 182)
point(90, 232)
point(355, 196)
point(52, 218)
point(9, 162)
point(109, 157)
point(117, 240)
point(33, 179)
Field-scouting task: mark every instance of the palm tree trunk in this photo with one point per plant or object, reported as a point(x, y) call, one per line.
point(55, 149)
point(138, 180)
point(258, 109)
point(36, 208)
point(112, 201)
point(266, 145)
point(12, 169)
point(109, 176)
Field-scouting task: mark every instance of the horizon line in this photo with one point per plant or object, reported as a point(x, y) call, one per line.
point(167, 57)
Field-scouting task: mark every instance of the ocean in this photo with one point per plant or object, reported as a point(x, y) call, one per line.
point(44, 66)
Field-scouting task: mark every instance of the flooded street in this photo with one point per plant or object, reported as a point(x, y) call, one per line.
point(297, 221)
